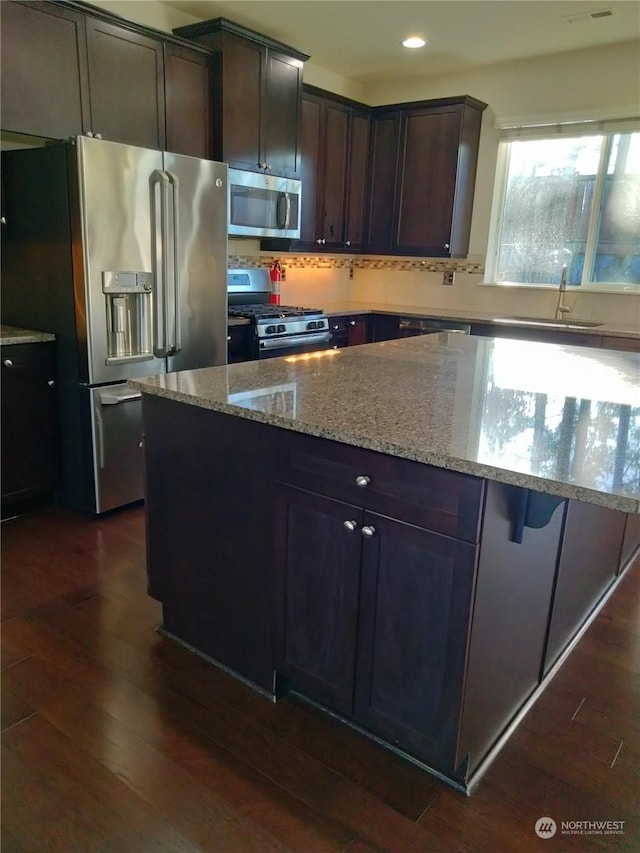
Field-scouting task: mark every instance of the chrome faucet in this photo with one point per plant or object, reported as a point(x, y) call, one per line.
point(561, 307)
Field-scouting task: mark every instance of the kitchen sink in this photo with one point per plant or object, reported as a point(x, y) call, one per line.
point(553, 324)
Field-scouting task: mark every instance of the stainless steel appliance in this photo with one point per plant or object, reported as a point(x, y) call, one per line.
point(122, 253)
point(263, 205)
point(409, 327)
point(275, 330)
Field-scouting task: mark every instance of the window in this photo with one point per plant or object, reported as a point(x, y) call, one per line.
point(567, 195)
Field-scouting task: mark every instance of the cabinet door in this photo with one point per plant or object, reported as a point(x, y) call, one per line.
point(310, 170)
point(319, 560)
point(428, 167)
point(383, 169)
point(188, 102)
point(336, 135)
point(28, 421)
point(242, 84)
point(358, 329)
point(415, 604)
point(44, 80)
point(126, 85)
point(357, 181)
point(280, 140)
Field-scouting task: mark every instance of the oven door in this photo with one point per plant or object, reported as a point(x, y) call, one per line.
point(294, 345)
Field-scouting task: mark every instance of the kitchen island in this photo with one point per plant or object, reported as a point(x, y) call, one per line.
point(411, 534)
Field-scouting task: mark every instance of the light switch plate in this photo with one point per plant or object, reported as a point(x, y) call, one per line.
point(447, 276)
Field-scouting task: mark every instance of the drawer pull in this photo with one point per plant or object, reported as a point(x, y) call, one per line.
point(363, 481)
point(368, 530)
point(350, 525)
point(51, 382)
point(7, 362)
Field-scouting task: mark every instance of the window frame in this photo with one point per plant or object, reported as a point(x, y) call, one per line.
point(509, 134)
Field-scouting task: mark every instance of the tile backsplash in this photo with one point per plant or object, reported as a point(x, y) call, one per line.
point(319, 280)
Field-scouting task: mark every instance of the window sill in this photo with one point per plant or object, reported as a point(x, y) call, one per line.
point(625, 290)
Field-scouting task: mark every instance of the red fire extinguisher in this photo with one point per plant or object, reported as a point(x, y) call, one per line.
point(275, 274)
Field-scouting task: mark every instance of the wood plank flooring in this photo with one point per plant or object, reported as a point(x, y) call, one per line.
point(116, 739)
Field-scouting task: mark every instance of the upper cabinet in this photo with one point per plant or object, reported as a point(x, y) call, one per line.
point(422, 177)
point(66, 73)
point(126, 85)
point(335, 139)
point(258, 97)
point(44, 76)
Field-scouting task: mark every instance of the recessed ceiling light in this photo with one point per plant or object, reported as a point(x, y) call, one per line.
point(414, 41)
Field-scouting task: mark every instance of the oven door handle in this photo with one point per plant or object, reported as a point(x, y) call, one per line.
point(295, 340)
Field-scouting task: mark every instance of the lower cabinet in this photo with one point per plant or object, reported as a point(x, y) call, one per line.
point(349, 330)
point(29, 434)
point(237, 344)
point(375, 618)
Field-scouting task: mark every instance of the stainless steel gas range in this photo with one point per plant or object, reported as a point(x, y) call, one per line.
point(275, 330)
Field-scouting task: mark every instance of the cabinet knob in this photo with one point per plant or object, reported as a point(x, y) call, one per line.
point(368, 530)
point(446, 245)
point(228, 337)
point(352, 322)
point(348, 243)
point(7, 362)
point(88, 133)
point(51, 382)
point(98, 136)
point(350, 525)
point(321, 241)
point(363, 481)
point(336, 326)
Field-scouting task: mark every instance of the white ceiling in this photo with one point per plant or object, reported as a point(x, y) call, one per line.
point(360, 39)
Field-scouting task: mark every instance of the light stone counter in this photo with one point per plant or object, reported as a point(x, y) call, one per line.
point(557, 419)
point(614, 330)
point(10, 335)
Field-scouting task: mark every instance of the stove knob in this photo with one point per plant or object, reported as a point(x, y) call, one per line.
point(312, 325)
point(281, 328)
point(270, 330)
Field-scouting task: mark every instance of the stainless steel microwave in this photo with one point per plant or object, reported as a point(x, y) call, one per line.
point(263, 205)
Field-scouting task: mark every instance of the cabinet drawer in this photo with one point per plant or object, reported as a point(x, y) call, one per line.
point(446, 502)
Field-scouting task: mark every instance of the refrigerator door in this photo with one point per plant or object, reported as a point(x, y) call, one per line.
point(115, 299)
point(116, 420)
point(196, 262)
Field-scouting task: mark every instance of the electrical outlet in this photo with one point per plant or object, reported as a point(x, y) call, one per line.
point(283, 274)
point(447, 277)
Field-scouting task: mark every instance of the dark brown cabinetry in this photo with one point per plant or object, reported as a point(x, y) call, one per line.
point(257, 97)
point(126, 84)
point(44, 71)
point(65, 73)
point(375, 611)
point(591, 548)
point(349, 330)
point(422, 176)
point(237, 343)
point(29, 435)
point(209, 507)
point(335, 137)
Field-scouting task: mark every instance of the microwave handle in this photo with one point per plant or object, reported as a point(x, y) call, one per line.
point(283, 221)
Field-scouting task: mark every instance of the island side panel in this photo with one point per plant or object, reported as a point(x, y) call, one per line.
point(589, 561)
point(510, 619)
point(209, 505)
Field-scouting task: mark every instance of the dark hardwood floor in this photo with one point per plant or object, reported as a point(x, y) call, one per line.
point(116, 739)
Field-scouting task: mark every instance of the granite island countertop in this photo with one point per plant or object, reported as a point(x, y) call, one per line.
point(614, 330)
point(10, 335)
point(557, 419)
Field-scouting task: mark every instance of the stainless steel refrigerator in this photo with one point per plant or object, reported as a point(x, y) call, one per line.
point(122, 253)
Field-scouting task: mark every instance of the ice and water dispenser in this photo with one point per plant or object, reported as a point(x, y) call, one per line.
point(129, 312)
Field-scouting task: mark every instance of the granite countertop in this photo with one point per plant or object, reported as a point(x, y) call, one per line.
point(13, 335)
point(622, 330)
point(558, 419)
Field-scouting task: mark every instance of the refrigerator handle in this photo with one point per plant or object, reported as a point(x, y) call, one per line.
point(174, 265)
point(158, 183)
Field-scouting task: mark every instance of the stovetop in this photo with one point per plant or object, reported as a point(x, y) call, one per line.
point(267, 311)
